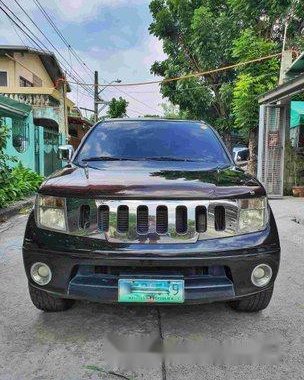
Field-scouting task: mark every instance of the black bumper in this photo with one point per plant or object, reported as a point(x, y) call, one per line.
point(215, 270)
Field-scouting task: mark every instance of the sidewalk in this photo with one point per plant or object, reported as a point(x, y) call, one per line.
point(15, 208)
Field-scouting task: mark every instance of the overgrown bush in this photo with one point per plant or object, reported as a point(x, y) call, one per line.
point(15, 183)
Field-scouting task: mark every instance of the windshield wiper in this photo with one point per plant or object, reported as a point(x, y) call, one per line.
point(168, 158)
point(107, 158)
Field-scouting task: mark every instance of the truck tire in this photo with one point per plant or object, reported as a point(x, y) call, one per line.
point(254, 303)
point(46, 302)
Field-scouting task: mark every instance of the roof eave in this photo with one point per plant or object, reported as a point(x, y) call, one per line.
point(283, 92)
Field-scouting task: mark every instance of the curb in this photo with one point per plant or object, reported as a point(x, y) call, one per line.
point(15, 208)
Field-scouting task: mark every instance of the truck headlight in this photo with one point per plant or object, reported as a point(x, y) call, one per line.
point(253, 214)
point(50, 212)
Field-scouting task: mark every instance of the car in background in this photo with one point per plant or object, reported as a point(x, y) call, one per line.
point(241, 156)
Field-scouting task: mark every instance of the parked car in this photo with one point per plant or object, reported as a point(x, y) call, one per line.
point(240, 153)
point(151, 211)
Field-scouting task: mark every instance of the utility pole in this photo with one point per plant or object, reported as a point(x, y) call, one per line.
point(96, 96)
point(97, 99)
point(65, 114)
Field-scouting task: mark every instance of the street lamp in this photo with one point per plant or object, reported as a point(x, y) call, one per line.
point(113, 81)
point(97, 99)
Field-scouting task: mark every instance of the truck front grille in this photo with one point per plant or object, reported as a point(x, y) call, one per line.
point(151, 221)
point(165, 222)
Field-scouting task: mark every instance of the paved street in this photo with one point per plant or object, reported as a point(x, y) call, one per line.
point(75, 344)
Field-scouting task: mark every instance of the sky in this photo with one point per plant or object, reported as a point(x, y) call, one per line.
point(110, 36)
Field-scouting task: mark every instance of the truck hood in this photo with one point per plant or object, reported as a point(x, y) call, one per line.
point(151, 180)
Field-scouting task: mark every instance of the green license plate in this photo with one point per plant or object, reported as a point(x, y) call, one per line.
point(151, 291)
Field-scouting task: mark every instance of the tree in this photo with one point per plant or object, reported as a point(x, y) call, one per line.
point(252, 81)
point(117, 108)
point(173, 112)
point(262, 35)
point(201, 35)
point(197, 36)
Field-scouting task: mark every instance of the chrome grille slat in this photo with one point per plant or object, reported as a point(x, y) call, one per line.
point(103, 218)
point(161, 219)
point(220, 218)
point(122, 221)
point(142, 219)
point(181, 219)
point(201, 219)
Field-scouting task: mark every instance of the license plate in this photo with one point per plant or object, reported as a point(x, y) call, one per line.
point(151, 291)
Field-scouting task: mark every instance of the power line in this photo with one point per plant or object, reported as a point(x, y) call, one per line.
point(12, 20)
point(65, 41)
point(49, 41)
point(138, 101)
point(40, 44)
point(188, 76)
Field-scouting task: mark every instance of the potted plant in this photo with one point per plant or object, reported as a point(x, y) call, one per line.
point(298, 174)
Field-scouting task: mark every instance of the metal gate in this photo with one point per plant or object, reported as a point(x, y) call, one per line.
point(37, 147)
point(272, 127)
point(51, 139)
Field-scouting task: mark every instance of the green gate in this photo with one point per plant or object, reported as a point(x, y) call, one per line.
point(37, 147)
point(51, 140)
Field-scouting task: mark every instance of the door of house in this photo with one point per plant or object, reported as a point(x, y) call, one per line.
point(37, 149)
point(51, 140)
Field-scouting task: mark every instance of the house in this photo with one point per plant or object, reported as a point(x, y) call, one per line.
point(275, 127)
point(78, 127)
point(35, 78)
point(33, 145)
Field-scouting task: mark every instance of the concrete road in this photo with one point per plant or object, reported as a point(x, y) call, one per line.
point(77, 344)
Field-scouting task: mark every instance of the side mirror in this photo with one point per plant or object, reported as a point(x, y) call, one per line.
point(65, 152)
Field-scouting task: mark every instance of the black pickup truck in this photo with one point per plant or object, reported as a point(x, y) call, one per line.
point(151, 211)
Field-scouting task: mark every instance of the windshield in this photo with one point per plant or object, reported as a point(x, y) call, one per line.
point(152, 140)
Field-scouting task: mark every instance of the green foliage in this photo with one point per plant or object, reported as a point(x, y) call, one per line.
point(200, 35)
point(252, 80)
point(294, 168)
point(197, 36)
point(117, 108)
point(15, 183)
point(173, 112)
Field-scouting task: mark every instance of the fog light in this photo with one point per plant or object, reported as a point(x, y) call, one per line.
point(41, 273)
point(261, 275)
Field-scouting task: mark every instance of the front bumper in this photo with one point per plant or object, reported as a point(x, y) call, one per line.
point(213, 270)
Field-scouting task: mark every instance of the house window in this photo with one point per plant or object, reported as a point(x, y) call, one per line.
point(20, 134)
point(25, 83)
point(3, 78)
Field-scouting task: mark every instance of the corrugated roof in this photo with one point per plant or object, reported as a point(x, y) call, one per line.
point(284, 91)
point(10, 107)
point(297, 67)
